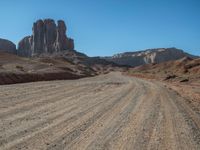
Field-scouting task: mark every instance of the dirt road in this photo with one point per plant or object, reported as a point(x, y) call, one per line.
point(105, 112)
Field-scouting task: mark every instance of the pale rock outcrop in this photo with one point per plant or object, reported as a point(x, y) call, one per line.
point(148, 56)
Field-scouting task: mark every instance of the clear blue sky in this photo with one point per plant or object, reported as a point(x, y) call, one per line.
point(105, 27)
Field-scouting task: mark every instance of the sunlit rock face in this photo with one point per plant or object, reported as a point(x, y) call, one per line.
point(148, 56)
point(47, 37)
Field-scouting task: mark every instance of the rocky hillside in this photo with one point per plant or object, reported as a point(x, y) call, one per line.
point(16, 69)
point(57, 66)
point(148, 56)
point(182, 70)
point(47, 37)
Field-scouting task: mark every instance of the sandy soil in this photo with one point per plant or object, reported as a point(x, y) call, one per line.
point(110, 111)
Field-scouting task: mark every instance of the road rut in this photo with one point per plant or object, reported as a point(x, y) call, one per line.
point(110, 111)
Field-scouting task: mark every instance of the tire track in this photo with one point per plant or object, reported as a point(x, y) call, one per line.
point(105, 112)
point(83, 127)
point(64, 120)
point(109, 126)
point(43, 109)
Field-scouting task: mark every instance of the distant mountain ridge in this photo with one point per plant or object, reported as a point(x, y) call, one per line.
point(149, 56)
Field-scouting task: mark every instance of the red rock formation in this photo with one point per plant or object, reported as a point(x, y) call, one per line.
point(47, 38)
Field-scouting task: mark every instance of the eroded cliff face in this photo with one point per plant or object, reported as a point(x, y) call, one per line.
point(149, 56)
point(47, 37)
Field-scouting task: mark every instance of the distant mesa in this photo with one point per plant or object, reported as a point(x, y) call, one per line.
point(7, 46)
point(47, 37)
point(148, 56)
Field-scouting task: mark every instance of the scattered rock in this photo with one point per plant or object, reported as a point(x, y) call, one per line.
point(170, 77)
point(184, 80)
